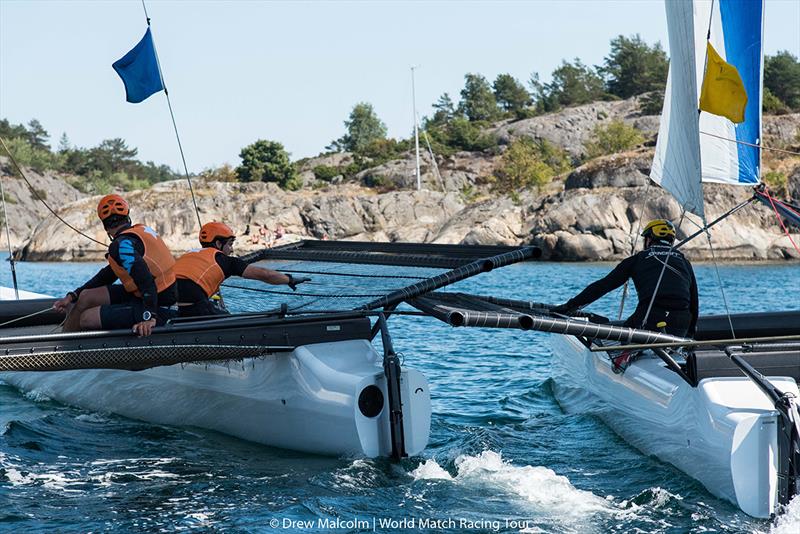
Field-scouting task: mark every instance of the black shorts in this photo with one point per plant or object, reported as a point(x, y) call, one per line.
point(200, 309)
point(126, 310)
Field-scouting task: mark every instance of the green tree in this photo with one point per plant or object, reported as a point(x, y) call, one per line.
point(363, 127)
point(111, 156)
point(633, 67)
point(267, 161)
point(614, 137)
point(651, 103)
point(445, 112)
point(522, 167)
point(37, 135)
point(63, 144)
point(510, 94)
point(782, 78)
point(477, 99)
point(573, 84)
point(10, 131)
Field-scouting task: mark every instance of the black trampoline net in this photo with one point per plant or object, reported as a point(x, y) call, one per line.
point(333, 286)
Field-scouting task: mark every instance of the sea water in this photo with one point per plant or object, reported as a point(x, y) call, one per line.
point(503, 455)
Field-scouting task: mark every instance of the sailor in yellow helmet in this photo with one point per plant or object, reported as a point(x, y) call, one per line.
point(675, 301)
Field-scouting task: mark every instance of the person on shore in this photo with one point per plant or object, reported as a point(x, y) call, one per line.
point(673, 294)
point(140, 260)
point(200, 273)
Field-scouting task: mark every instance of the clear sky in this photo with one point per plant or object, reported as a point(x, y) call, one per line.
point(242, 70)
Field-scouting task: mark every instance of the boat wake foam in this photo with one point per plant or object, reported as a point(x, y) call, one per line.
point(537, 485)
point(789, 521)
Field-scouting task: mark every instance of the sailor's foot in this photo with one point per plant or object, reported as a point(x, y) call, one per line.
point(621, 362)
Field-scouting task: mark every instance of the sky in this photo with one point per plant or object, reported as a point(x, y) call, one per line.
point(238, 71)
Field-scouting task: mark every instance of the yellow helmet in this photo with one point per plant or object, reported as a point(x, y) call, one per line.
point(659, 229)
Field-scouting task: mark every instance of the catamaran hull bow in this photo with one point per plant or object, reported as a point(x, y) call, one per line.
point(723, 432)
point(326, 398)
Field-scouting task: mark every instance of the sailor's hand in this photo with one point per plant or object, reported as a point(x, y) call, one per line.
point(563, 309)
point(294, 281)
point(145, 328)
point(62, 305)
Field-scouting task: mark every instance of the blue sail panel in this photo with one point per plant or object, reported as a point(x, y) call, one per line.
point(742, 23)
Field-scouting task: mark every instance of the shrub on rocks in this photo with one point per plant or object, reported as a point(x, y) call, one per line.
point(614, 137)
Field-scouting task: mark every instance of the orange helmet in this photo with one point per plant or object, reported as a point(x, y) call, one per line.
point(211, 231)
point(112, 205)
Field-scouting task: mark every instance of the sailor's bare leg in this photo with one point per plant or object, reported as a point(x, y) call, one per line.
point(90, 319)
point(89, 298)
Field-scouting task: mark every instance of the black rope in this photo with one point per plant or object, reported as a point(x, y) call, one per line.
point(40, 199)
point(356, 275)
point(299, 294)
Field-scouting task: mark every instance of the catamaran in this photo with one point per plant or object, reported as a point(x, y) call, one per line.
point(302, 373)
point(722, 409)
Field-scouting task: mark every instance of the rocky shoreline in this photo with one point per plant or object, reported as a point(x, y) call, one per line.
point(589, 214)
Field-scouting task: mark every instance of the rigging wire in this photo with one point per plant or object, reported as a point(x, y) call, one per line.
point(634, 242)
point(738, 142)
point(719, 281)
point(174, 123)
point(40, 199)
point(8, 238)
point(780, 219)
point(300, 294)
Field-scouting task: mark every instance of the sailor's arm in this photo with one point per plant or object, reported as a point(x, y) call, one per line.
point(104, 277)
point(694, 303)
point(605, 285)
point(127, 251)
point(232, 266)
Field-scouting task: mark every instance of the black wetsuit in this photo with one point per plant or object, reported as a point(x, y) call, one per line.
point(675, 303)
point(190, 292)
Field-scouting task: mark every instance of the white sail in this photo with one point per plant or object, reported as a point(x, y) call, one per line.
point(693, 146)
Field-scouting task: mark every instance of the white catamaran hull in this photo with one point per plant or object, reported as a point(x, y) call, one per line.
point(305, 400)
point(724, 432)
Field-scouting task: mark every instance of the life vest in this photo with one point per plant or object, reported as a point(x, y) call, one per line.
point(201, 267)
point(156, 255)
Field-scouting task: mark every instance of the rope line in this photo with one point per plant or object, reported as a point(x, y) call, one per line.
point(719, 281)
point(790, 152)
point(174, 123)
point(780, 219)
point(40, 199)
point(634, 242)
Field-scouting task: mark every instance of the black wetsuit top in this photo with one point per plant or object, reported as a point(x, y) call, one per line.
point(189, 291)
point(128, 250)
point(677, 293)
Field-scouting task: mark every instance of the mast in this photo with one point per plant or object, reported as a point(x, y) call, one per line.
point(416, 128)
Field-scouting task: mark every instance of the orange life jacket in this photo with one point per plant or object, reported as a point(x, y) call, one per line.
point(156, 255)
point(201, 267)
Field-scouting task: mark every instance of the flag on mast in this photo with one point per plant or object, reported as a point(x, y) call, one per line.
point(723, 91)
point(139, 70)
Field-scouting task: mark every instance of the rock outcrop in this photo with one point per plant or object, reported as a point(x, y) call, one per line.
point(25, 211)
point(594, 213)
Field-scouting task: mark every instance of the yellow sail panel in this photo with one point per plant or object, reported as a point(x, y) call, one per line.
point(723, 92)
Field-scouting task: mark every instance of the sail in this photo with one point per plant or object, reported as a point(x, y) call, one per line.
point(696, 146)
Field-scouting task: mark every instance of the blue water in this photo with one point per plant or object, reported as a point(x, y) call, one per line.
point(503, 456)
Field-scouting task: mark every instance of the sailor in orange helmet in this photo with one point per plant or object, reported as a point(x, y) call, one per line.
point(139, 259)
point(201, 272)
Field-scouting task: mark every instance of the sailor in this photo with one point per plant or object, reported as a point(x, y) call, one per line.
point(201, 272)
point(675, 306)
point(139, 259)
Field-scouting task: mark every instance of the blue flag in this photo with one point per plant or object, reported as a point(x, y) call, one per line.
point(139, 70)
